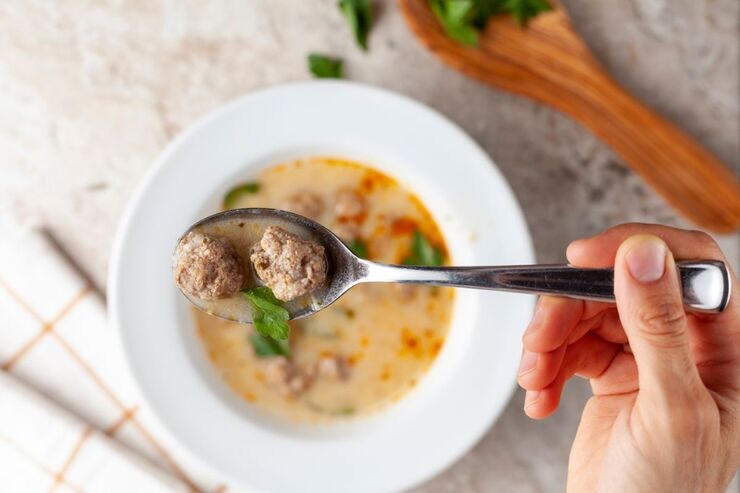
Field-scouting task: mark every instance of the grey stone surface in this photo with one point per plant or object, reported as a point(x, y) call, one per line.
point(90, 92)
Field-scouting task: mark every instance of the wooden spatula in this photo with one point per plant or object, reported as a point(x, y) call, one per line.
point(550, 63)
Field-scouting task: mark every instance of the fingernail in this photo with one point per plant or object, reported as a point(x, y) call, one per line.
point(531, 397)
point(646, 260)
point(529, 362)
point(537, 320)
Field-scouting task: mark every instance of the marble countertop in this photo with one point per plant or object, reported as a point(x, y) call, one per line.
point(90, 92)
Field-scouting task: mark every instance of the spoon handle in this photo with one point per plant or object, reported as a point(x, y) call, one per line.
point(705, 284)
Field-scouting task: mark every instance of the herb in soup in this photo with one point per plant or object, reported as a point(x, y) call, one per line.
point(342, 411)
point(236, 193)
point(266, 347)
point(423, 253)
point(269, 318)
point(358, 247)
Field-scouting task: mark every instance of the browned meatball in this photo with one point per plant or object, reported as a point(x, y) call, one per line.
point(207, 267)
point(334, 367)
point(306, 204)
point(288, 264)
point(290, 379)
point(349, 203)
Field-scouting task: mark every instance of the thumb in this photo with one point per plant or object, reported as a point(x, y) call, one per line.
point(648, 293)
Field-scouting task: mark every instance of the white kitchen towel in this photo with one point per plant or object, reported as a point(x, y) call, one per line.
point(44, 448)
point(70, 417)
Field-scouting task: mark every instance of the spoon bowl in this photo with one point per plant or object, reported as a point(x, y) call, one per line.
point(244, 227)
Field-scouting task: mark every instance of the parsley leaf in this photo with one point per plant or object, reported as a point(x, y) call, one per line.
point(325, 67)
point(233, 195)
point(268, 317)
point(359, 14)
point(483, 10)
point(358, 248)
point(463, 19)
point(423, 252)
point(524, 10)
point(342, 411)
point(265, 347)
point(455, 18)
point(457, 11)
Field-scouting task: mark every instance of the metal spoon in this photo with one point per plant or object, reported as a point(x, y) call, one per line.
point(705, 283)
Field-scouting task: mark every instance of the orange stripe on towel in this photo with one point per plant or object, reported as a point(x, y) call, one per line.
point(59, 477)
point(46, 327)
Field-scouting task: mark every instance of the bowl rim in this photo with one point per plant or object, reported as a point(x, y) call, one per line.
point(329, 89)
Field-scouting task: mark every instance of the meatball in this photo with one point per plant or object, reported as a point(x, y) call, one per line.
point(288, 264)
point(349, 203)
point(306, 204)
point(290, 379)
point(207, 267)
point(334, 367)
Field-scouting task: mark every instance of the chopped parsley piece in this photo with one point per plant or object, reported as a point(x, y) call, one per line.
point(268, 316)
point(423, 252)
point(359, 15)
point(524, 10)
point(342, 411)
point(325, 67)
point(463, 19)
point(266, 347)
point(456, 17)
point(233, 195)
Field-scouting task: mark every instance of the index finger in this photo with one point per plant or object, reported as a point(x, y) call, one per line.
point(601, 250)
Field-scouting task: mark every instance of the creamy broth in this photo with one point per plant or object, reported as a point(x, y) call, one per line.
point(385, 336)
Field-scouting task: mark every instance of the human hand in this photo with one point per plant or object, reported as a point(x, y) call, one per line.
point(665, 415)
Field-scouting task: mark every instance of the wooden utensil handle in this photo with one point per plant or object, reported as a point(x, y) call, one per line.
point(550, 63)
point(688, 176)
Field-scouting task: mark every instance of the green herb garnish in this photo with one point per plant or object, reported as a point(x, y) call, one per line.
point(266, 347)
point(359, 14)
point(358, 248)
point(423, 252)
point(524, 10)
point(233, 195)
point(463, 19)
point(268, 316)
point(456, 17)
point(342, 411)
point(325, 67)
point(485, 9)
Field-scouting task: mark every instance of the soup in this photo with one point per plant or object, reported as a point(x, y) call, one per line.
point(372, 345)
